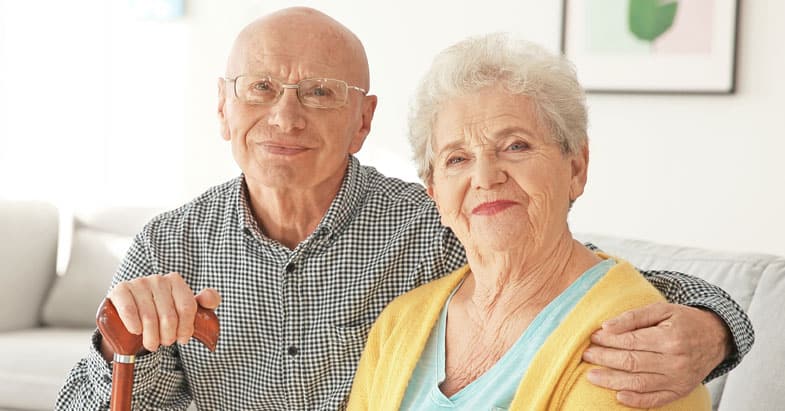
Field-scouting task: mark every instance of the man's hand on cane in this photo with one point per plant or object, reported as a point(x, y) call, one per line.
point(161, 308)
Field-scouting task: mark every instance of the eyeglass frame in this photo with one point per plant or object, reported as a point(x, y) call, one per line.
point(295, 86)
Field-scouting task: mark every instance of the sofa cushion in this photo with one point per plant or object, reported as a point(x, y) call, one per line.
point(99, 242)
point(755, 281)
point(758, 379)
point(35, 363)
point(76, 294)
point(28, 251)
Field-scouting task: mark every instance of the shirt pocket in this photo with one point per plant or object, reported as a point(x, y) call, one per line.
point(346, 347)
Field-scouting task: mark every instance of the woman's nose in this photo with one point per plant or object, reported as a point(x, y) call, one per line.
point(487, 172)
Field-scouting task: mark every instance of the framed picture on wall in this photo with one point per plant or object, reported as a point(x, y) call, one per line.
point(652, 46)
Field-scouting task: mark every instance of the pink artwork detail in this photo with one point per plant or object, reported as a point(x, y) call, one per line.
point(692, 29)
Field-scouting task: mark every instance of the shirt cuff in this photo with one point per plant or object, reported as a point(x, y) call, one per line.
point(144, 367)
point(740, 328)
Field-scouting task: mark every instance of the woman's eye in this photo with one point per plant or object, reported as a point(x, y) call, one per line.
point(518, 146)
point(453, 160)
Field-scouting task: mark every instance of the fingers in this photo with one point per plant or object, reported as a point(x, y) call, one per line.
point(624, 360)
point(209, 298)
point(166, 314)
point(638, 390)
point(124, 302)
point(185, 306)
point(654, 339)
point(639, 318)
point(147, 311)
point(627, 381)
point(160, 307)
point(654, 355)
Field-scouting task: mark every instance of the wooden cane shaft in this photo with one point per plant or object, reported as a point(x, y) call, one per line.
point(122, 385)
point(125, 344)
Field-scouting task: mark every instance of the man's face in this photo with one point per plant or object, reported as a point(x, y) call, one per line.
point(287, 145)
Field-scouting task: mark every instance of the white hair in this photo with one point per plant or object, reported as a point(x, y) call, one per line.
point(521, 67)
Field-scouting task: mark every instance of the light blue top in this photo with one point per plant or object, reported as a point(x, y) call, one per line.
point(495, 389)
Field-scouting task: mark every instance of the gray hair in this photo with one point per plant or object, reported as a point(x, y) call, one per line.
point(522, 68)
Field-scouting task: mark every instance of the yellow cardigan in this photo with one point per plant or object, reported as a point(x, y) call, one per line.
point(556, 378)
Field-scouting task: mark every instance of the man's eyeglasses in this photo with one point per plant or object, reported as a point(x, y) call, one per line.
point(312, 92)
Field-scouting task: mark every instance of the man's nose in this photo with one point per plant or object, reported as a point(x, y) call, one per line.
point(487, 172)
point(287, 112)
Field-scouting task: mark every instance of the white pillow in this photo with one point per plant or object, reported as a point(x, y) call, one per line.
point(75, 296)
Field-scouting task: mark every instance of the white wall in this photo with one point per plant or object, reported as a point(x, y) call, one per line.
point(693, 170)
point(400, 39)
point(91, 104)
point(697, 170)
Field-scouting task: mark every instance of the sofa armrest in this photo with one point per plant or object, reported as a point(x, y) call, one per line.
point(757, 382)
point(28, 254)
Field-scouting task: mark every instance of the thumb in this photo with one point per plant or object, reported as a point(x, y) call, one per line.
point(647, 316)
point(208, 298)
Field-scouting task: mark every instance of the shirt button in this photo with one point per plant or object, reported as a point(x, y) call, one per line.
point(246, 231)
point(293, 350)
point(290, 268)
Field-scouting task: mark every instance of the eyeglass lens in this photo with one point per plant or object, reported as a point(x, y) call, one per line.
point(323, 93)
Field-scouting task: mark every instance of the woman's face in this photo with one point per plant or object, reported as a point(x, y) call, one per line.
point(499, 181)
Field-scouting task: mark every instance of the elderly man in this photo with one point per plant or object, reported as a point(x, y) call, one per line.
point(302, 252)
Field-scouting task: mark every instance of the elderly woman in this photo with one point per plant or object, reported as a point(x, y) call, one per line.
point(499, 134)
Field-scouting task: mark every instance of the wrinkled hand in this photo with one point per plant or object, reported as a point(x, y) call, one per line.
point(160, 307)
point(657, 354)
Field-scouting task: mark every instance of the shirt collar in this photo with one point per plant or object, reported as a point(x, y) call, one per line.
point(347, 202)
point(340, 213)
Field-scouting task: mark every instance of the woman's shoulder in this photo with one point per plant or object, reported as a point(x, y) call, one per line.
point(428, 298)
point(622, 288)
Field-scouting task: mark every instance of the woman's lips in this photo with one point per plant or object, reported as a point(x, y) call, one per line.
point(492, 207)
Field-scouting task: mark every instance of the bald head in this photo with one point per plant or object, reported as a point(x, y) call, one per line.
point(309, 42)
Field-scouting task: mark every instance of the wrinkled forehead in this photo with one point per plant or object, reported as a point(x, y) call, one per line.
point(298, 47)
point(484, 116)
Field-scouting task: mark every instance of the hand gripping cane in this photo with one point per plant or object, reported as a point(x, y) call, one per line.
point(125, 346)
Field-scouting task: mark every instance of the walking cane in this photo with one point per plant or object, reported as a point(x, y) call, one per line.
point(125, 346)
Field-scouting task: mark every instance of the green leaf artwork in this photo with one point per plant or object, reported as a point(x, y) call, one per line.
point(650, 18)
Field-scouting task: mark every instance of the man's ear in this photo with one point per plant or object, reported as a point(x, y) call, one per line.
point(580, 166)
point(224, 128)
point(368, 108)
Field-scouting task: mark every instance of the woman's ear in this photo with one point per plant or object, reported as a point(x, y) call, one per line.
point(580, 165)
point(432, 195)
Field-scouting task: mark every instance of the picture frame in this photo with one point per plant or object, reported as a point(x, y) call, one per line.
point(652, 46)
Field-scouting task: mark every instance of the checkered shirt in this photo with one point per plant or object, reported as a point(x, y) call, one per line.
point(294, 322)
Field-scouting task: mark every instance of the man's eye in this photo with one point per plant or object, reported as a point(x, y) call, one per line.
point(261, 86)
point(320, 92)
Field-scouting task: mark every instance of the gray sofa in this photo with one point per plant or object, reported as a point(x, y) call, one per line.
point(757, 283)
point(46, 319)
